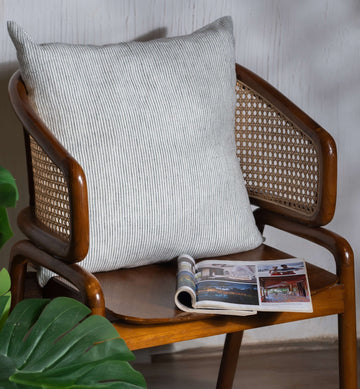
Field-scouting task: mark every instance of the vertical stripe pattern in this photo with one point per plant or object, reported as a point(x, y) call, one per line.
point(152, 125)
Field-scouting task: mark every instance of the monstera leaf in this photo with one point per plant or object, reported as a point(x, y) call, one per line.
point(8, 198)
point(58, 344)
point(5, 298)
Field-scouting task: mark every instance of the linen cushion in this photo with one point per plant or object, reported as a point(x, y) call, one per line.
point(152, 125)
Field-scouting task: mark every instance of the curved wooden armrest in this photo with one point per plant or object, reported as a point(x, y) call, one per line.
point(87, 284)
point(44, 237)
point(336, 244)
point(76, 246)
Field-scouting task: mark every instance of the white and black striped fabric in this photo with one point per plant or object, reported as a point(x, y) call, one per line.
point(152, 125)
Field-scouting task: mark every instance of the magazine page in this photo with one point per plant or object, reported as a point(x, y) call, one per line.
point(185, 296)
point(284, 286)
point(186, 293)
point(227, 284)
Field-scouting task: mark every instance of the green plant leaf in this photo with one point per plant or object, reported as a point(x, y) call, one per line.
point(5, 302)
point(5, 296)
point(7, 368)
point(57, 344)
point(8, 190)
point(18, 324)
point(8, 198)
point(5, 281)
point(5, 229)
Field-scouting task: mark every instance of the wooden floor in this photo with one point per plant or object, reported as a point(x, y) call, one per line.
point(295, 368)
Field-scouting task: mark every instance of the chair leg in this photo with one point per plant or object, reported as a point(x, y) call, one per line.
point(347, 320)
point(347, 350)
point(18, 267)
point(229, 360)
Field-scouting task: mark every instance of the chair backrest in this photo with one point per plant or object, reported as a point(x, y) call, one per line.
point(288, 163)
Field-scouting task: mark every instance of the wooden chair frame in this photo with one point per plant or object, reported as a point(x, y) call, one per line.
point(300, 201)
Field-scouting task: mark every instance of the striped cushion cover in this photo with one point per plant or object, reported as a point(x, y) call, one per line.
point(152, 124)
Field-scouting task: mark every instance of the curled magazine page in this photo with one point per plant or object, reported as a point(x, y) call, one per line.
point(185, 296)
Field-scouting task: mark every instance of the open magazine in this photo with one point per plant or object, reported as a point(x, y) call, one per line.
point(242, 287)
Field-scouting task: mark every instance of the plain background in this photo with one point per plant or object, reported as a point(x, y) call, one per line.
point(309, 50)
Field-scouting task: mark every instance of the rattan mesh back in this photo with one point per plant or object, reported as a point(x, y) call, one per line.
point(52, 206)
point(280, 163)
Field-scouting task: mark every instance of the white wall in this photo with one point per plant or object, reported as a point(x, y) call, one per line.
point(309, 50)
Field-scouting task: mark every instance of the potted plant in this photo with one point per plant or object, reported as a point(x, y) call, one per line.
point(56, 343)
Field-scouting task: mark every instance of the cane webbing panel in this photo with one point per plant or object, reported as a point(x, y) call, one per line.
point(280, 163)
point(51, 193)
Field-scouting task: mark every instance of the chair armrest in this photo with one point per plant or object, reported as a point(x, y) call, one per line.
point(336, 244)
point(25, 251)
point(289, 162)
point(57, 219)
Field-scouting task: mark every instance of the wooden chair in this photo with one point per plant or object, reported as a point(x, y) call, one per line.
point(289, 165)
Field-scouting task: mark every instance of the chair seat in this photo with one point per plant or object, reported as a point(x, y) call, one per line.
point(140, 302)
point(145, 295)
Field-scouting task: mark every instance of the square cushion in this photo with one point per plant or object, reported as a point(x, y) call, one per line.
point(152, 125)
